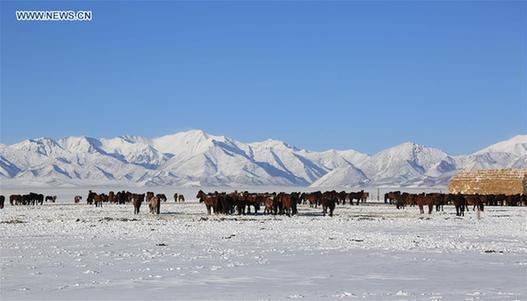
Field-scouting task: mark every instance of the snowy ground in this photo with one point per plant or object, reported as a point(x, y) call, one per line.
point(76, 251)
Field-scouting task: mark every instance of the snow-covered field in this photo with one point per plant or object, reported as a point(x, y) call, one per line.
point(375, 252)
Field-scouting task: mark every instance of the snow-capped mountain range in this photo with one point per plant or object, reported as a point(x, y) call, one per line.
point(195, 158)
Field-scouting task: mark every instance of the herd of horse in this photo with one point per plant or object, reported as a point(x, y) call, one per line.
point(283, 203)
point(123, 197)
point(276, 203)
point(460, 201)
point(28, 199)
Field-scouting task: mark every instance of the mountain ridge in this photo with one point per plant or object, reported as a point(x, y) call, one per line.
point(196, 158)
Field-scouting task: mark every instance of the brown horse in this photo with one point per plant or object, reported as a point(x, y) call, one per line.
point(98, 199)
point(364, 196)
point(475, 200)
point(211, 201)
point(268, 204)
point(314, 198)
point(438, 199)
point(360, 196)
point(251, 199)
point(77, 199)
point(285, 202)
point(155, 205)
point(111, 197)
point(422, 200)
point(392, 197)
point(15, 199)
point(404, 200)
point(2, 200)
point(181, 198)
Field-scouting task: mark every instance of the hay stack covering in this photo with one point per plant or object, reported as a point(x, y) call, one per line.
point(490, 181)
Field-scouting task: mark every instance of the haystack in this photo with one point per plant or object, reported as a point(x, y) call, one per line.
point(489, 181)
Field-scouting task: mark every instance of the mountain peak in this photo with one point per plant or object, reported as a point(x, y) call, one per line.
point(405, 149)
point(42, 145)
point(273, 143)
point(80, 143)
point(192, 140)
point(516, 145)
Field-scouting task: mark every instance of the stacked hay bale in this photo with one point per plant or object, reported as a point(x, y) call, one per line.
point(490, 181)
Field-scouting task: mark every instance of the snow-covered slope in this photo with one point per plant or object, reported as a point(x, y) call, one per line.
point(342, 177)
point(517, 146)
point(407, 164)
point(285, 161)
point(508, 153)
point(194, 158)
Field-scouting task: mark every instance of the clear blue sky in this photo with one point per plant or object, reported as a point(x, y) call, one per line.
point(319, 75)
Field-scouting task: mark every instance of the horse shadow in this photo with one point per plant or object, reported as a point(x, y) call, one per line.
point(308, 214)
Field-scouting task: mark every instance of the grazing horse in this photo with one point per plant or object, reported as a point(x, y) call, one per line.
point(211, 201)
point(51, 198)
point(162, 197)
point(155, 205)
point(77, 199)
point(181, 198)
point(2, 200)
